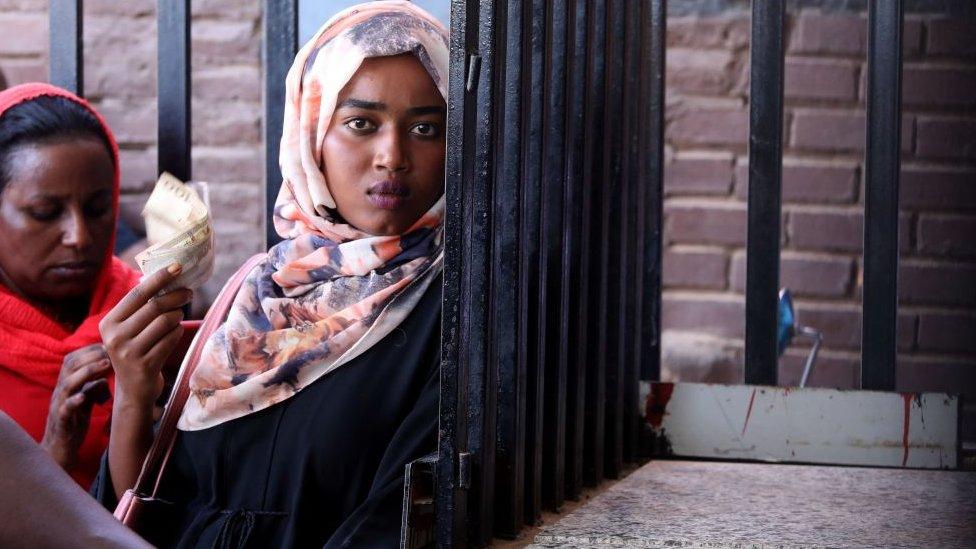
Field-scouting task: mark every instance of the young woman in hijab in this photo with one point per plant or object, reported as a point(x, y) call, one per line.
point(59, 196)
point(323, 382)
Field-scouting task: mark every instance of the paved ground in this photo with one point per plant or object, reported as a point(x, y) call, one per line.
point(721, 504)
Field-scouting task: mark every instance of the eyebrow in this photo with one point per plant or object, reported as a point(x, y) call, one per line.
point(378, 106)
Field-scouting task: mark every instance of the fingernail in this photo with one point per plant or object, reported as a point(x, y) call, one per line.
point(174, 268)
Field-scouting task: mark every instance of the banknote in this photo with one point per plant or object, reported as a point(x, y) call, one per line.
point(179, 230)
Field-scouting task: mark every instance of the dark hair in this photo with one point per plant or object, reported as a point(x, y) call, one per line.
point(45, 119)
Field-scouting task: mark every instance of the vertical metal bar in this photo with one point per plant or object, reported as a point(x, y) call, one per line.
point(67, 66)
point(615, 239)
point(280, 45)
point(173, 85)
point(593, 448)
point(510, 445)
point(632, 254)
point(532, 294)
point(550, 275)
point(451, 499)
point(652, 168)
point(765, 174)
point(574, 258)
point(882, 163)
point(476, 325)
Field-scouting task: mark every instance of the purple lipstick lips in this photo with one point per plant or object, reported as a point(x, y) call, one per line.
point(388, 195)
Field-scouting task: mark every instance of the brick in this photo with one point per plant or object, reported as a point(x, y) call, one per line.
point(842, 131)
point(951, 36)
point(721, 224)
point(230, 9)
point(930, 87)
point(822, 79)
point(237, 207)
point(947, 235)
point(228, 165)
point(235, 82)
point(718, 315)
point(940, 283)
point(138, 169)
point(223, 42)
point(947, 332)
point(129, 8)
point(840, 231)
point(26, 33)
point(804, 275)
point(699, 174)
point(708, 32)
point(837, 34)
point(809, 181)
point(841, 325)
point(941, 189)
point(132, 121)
point(226, 122)
point(695, 268)
point(23, 5)
point(911, 37)
point(944, 137)
point(924, 374)
point(828, 371)
point(821, 130)
point(21, 71)
point(708, 126)
point(706, 72)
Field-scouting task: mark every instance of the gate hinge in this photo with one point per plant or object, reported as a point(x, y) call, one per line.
point(464, 470)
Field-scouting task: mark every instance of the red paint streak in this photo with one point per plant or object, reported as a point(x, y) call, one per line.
point(752, 398)
point(787, 390)
point(657, 403)
point(907, 397)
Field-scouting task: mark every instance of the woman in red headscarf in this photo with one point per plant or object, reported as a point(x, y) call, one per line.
point(59, 198)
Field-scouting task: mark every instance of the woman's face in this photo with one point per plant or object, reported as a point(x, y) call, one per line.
point(56, 218)
point(384, 150)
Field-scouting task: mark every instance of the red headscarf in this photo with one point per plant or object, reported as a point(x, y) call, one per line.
point(33, 346)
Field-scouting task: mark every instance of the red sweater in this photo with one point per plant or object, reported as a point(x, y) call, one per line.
point(32, 348)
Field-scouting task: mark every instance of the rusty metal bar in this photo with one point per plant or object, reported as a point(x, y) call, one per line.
point(882, 161)
point(67, 66)
point(765, 175)
point(280, 45)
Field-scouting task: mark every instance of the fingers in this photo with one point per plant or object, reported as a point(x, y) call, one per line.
point(161, 351)
point(81, 357)
point(141, 294)
point(72, 383)
point(133, 326)
point(97, 391)
point(157, 329)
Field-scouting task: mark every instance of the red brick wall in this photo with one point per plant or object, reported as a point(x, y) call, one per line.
point(706, 186)
point(705, 225)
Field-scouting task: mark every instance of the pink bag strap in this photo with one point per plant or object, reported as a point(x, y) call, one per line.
point(162, 446)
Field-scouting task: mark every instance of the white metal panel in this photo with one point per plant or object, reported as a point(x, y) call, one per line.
point(806, 425)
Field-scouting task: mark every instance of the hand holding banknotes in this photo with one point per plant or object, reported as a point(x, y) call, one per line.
point(178, 229)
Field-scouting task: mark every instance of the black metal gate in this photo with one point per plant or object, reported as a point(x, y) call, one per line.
point(553, 232)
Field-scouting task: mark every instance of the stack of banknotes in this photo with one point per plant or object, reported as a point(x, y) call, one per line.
point(179, 230)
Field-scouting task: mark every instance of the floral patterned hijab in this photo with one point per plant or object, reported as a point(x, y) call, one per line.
point(329, 291)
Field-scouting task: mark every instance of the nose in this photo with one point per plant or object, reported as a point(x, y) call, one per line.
point(391, 154)
point(76, 233)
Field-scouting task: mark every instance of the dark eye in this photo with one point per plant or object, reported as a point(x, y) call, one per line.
point(360, 125)
point(44, 213)
point(425, 129)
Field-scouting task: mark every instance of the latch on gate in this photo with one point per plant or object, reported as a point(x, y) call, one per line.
point(464, 470)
